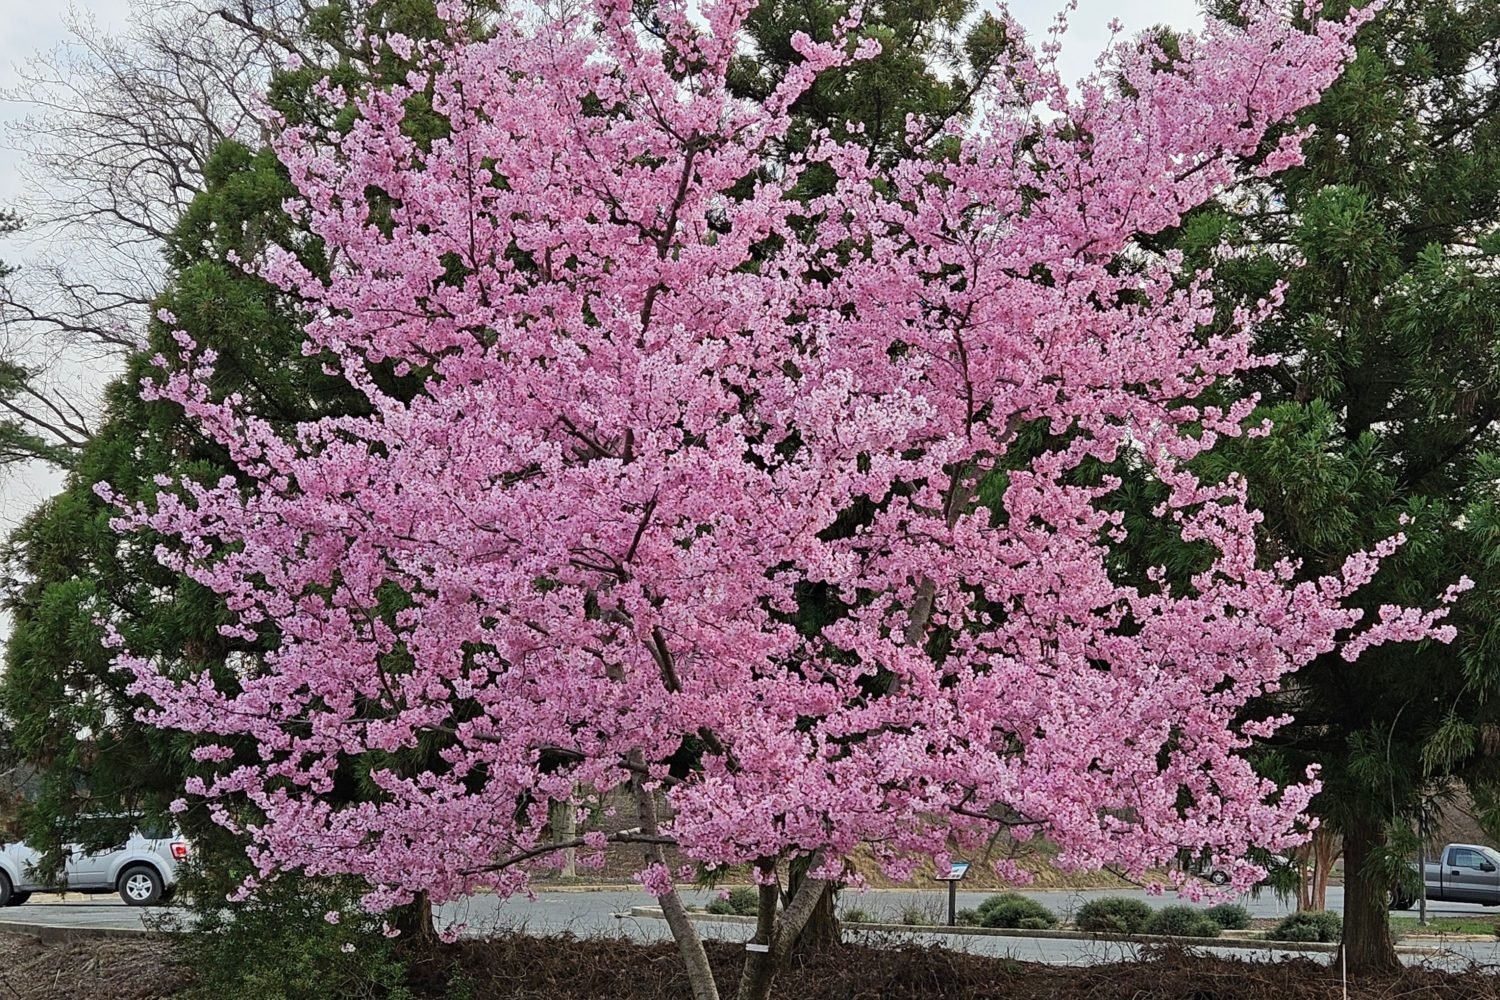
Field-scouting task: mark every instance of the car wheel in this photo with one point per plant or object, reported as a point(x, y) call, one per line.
point(17, 898)
point(140, 886)
point(5, 889)
point(1218, 877)
point(1399, 901)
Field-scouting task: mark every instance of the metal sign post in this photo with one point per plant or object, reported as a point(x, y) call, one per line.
point(1422, 861)
point(956, 871)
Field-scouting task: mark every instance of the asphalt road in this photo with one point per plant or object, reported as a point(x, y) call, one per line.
point(605, 914)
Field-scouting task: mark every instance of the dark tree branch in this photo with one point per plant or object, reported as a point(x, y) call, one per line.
point(623, 837)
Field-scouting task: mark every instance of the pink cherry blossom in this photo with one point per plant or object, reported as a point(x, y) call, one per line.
point(651, 418)
point(655, 879)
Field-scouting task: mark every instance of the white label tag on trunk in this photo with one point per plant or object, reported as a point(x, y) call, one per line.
point(752, 946)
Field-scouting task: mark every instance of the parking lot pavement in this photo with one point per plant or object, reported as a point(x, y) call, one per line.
point(605, 913)
point(561, 910)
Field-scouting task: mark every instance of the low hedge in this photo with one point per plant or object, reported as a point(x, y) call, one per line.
point(1113, 915)
point(1011, 909)
point(1308, 925)
point(743, 901)
point(1230, 916)
point(1182, 921)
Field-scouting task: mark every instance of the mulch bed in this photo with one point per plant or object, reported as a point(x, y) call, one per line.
point(566, 968)
point(95, 969)
point(521, 968)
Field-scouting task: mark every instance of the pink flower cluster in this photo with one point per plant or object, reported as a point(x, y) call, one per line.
point(652, 418)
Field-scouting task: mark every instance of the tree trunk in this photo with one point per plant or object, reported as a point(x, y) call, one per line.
point(1326, 850)
point(760, 970)
point(1316, 859)
point(822, 933)
point(1367, 949)
point(689, 945)
point(1306, 876)
point(774, 938)
point(414, 920)
point(565, 828)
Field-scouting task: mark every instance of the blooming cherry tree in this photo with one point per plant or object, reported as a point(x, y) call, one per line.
point(659, 401)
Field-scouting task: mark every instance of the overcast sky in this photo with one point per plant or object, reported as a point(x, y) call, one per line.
point(27, 26)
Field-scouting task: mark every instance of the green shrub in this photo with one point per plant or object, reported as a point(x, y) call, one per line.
point(1308, 925)
point(745, 901)
point(278, 944)
point(970, 918)
point(460, 986)
point(1230, 916)
point(914, 916)
point(1182, 921)
point(723, 907)
point(855, 915)
point(1036, 923)
point(1008, 909)
point(1114, 915)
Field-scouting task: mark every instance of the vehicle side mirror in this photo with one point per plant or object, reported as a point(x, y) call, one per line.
point(1486, 866)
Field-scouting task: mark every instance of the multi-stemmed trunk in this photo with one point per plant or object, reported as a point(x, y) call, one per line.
point(822, 932)
point(1317, 858)
point(776, 933)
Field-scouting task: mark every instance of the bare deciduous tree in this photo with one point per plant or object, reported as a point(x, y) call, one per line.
point(120, 126)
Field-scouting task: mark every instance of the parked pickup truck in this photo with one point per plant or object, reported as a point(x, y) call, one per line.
point(1464, 873)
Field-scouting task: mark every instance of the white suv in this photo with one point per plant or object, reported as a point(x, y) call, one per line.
point(143, 870)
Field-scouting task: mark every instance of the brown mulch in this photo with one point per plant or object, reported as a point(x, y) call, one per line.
point(521, 968)
point(94, 969)
point(566, 968)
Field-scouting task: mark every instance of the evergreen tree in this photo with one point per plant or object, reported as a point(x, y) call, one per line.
point(1384, 398)
point(935, 55)
point(68, 574)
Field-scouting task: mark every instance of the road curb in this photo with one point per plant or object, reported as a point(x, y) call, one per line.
point(1248, 944)
point(61, 934)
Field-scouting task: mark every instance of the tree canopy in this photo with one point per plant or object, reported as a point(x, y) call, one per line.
point(633, 410)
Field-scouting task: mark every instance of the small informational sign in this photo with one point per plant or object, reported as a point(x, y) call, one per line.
point(753, 946)
point(956, 871)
